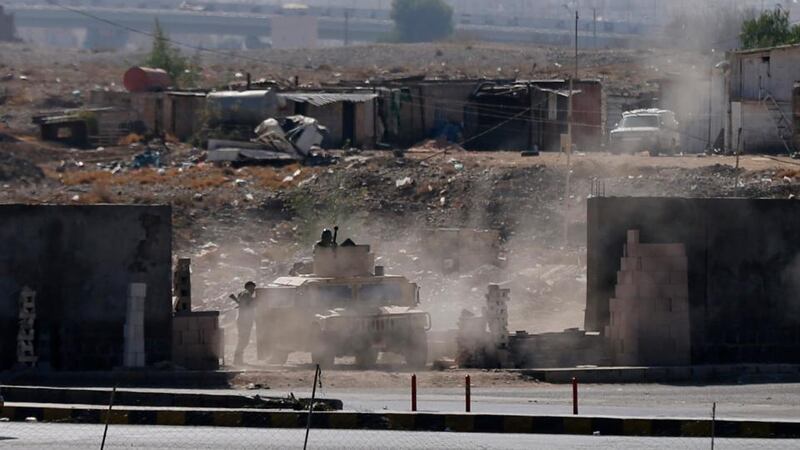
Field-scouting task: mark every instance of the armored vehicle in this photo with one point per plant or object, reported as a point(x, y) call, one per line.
point(346, 306)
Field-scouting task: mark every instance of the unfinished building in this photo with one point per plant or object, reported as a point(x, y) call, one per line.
point(99, 279)
point(742, 277)
point(759, 101)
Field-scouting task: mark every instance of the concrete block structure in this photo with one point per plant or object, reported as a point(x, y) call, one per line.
point(567, 348)
point(649, 313)
point(7, 27)
point(197, 340)
point(741, 270)
point(134, 355)
point(182, 286)
point(497, 315)
point(26, 353)
point(80, 261)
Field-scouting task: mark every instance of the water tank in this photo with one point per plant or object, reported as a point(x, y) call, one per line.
point(146, 79)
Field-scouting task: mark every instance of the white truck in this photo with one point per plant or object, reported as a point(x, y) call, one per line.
point(653, 130)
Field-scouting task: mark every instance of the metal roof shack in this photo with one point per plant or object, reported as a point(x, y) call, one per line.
point(349, 117)
point(326, 98)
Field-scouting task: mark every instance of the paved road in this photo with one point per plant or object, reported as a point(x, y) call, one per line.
point(762, 401)
point(48, 436)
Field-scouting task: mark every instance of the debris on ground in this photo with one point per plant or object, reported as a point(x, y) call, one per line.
point(13, 168)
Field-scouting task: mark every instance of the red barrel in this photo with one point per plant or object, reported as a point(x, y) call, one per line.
point(146, 79)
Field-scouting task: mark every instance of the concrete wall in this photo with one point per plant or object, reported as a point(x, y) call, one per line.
point(184, 115)
point(331, 116)
point(588, 115)
point(80, 261)
point(773, 71)
point(148, 108)
point(365, 124)
point(744, 270)
point(759, 129)
point(754, 74)
point(197, 340)
point(424, 106)
point(649, 321)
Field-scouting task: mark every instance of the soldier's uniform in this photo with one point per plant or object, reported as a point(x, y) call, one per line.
point(244, 322)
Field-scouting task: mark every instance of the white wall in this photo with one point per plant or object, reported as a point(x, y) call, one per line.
point(759, 132)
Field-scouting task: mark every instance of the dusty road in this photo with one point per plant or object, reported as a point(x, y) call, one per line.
point(50, 436)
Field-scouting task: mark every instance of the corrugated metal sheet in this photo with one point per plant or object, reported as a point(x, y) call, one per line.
point(326, 98)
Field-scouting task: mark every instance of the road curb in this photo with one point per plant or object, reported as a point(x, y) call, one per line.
point(452, 422)
point(132, 397)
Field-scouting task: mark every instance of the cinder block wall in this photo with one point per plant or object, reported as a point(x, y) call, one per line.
point(744, 270)
point(197, 340)
point(80, 261)
point(649, 314)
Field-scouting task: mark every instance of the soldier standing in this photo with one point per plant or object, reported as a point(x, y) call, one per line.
point(244, 321)
point(328, 239)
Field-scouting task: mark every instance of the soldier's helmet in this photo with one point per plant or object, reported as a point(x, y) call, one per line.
point(327, 235)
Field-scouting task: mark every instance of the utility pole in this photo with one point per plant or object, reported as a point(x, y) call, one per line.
point(570, 110)
point(576, 43)
point(710, 95)
point(594, 27)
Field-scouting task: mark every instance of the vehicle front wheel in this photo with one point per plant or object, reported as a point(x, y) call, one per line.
point(366, 357)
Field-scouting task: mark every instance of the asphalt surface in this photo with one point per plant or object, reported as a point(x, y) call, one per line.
point(780, 401)
point(48, 436)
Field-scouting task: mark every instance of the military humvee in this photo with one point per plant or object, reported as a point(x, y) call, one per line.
point(345, 307)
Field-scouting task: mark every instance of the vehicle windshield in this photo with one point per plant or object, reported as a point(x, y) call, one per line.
point(332, 295)
point(639, 121)
point(382, 294)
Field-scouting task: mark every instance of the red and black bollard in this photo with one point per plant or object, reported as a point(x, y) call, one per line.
point(467, 399)
point(414, 392)
point(574, 396)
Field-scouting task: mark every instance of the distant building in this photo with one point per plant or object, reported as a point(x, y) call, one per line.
point(760, 99)
point(348, 116)
point(7, 28)
point(294, 28)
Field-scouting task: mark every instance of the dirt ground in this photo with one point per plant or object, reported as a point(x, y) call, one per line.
point(355, 379)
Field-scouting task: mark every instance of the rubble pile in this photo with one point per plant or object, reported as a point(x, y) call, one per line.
point(13, 168)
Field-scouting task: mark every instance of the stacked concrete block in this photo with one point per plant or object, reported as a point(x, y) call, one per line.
point(197, 340)
point(182, 286)
point(478, 347)
point(134, 352)
point(497, 314)
point(26, 354)
point(649, 323)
